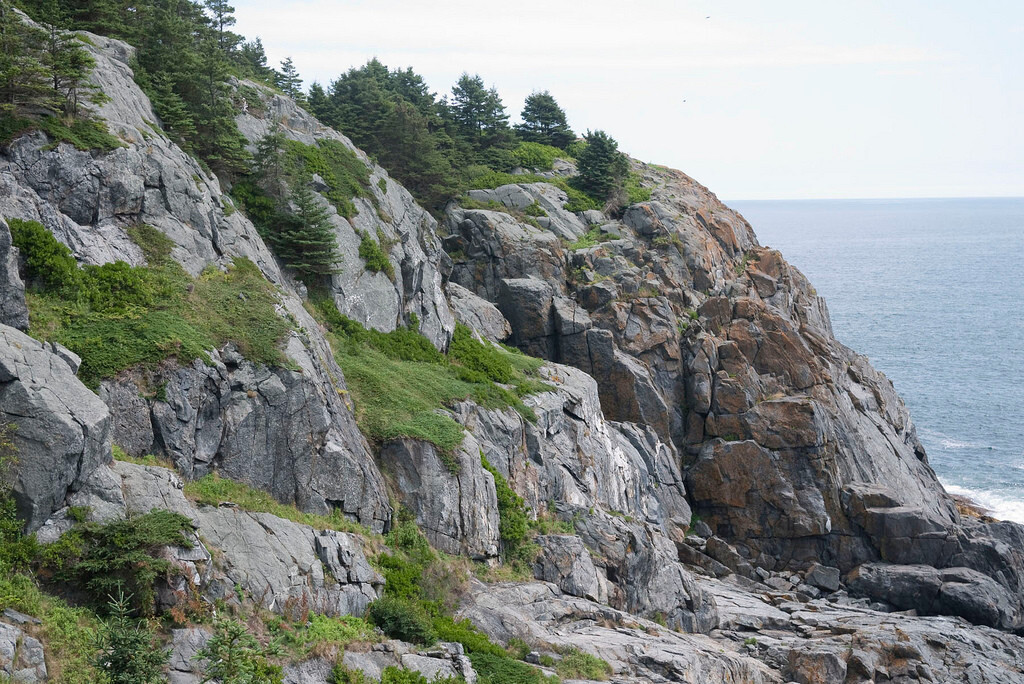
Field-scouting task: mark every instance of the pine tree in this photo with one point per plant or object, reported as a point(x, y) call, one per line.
point(602, 168)
point(268, 162)
point(544, 121)
point(65, 59)
point(127, 653)
point(222, 17)
point(24, 78)
point(235, 657)
point(469, 105)
point(288, 80)
point(306, 242)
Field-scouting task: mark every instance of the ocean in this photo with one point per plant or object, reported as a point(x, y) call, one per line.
point(932, 291)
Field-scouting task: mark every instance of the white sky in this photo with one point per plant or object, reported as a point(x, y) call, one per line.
point(755, 99)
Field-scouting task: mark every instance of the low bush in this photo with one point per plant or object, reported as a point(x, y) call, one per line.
point(531, 155)
point(375, 257)
point(103, 559)
point(116, 316)
point(493, 669)
point(592, 238)
point(403, 619)
point(514, 523)
point(84, 134)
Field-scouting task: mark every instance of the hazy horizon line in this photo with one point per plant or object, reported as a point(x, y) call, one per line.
point(872, 199)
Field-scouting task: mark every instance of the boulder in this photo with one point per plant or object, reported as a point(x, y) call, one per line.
point(21, 656)
point(565, 561)
point(60, 431)
point(477, 313)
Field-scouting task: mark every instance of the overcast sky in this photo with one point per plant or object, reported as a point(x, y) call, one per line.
point(755, 99)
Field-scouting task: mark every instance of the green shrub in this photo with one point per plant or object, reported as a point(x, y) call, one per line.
point(494, 669)
point(375, 258)
point(579, 665)
point(402, 619)
point(634, 192)
point(48, 263)
point(84, 134)
point(127, 654)
point(592, 238)
point(514, 524)
point(116, 316)
point(463, 632)
point(531, 155)
point(11, 127)
point(212, 490)
point(343, 675)
point(535, 210)
point(105, 558)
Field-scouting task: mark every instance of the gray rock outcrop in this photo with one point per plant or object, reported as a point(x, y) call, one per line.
point(13, 311)
point(60, 431)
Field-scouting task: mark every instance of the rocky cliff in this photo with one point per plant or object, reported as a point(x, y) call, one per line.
point(739, 497)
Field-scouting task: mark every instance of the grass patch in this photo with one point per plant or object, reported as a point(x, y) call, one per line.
point(578, 200)
point(212, 490)
point(592, 238)
point(514, 524)
point(116, 316)
point(400, 382)
point(147, 460)
point(579, 665)
point(70, 634)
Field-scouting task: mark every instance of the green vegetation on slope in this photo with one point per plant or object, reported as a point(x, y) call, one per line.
point(421, 591)
point(399, 380)
point(116, 316)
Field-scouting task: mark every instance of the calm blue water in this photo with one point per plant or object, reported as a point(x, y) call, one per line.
point(932, 291)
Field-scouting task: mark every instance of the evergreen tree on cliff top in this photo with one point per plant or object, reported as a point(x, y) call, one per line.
point(602, 168)
point(544, 122)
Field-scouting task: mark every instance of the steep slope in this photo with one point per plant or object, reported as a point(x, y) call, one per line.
point(688, 369)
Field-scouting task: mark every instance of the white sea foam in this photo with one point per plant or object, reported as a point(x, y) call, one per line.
point(999, 506)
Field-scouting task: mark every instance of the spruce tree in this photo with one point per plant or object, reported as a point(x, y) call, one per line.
point(469, 105)
point(288, 80)
point(305, 240)
point(544, 121)
point(127, 652)
point(222, 17)
point(24, 78)
point(602, 168)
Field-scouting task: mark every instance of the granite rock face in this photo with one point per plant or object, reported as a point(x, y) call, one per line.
point(452, 497)
point(287, 432)
point(13, 311)
point(792, 446)
point(282, 566)
point(59, 429)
